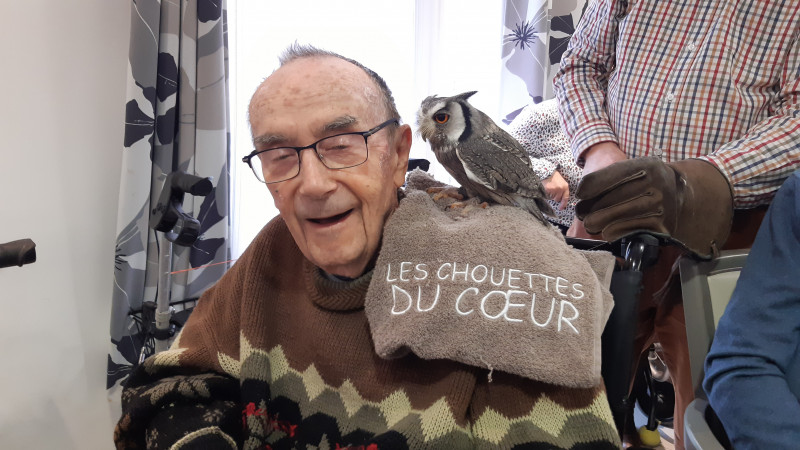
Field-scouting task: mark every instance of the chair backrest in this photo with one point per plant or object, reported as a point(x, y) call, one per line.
point(707, 287)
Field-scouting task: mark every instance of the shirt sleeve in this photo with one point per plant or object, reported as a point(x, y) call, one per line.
point(581, 83)
point(758, 337)
point(757, 164)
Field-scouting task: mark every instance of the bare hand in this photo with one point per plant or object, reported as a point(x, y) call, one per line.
point(557, 189)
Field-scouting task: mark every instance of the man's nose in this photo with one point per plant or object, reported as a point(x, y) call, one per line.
point(315, 178)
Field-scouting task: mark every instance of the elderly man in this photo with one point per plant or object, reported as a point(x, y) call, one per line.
point(278, 354)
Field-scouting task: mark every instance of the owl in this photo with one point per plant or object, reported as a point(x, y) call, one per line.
point(481, 156)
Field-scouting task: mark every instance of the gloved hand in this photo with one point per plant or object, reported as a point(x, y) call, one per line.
point(688, 201)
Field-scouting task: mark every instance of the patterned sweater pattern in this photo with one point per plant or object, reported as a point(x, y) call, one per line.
point(278, 356)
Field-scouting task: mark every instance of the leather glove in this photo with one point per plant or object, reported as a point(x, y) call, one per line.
point(689, 202)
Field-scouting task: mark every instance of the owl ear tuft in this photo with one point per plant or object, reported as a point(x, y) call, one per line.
point(465, 95)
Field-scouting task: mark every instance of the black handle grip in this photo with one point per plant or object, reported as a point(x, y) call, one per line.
point(17, 253)
point(192, 183)
point(168, 211)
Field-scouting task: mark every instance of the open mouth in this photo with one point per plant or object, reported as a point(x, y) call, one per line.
point(331, 219)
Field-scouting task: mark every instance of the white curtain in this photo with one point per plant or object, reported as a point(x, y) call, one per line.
point(535, 34)
point(176, 119)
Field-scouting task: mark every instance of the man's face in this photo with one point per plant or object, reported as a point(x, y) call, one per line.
point(336, 217)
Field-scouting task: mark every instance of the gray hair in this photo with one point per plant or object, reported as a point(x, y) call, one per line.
point(297, 51)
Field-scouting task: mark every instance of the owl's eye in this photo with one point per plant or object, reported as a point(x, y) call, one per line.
point(441, 117)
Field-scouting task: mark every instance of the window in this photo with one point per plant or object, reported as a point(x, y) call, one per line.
point(420, 47)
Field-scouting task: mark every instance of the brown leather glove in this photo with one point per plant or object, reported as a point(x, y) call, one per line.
point(688, 201)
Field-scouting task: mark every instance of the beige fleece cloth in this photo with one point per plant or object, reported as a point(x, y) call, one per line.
point(491, 287)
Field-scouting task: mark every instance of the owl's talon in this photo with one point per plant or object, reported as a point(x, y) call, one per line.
point(484, 205)
point(434, 189)
point(444, 192)
point(457, 205)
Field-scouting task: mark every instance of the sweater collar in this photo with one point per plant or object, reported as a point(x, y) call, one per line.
point(335, 295)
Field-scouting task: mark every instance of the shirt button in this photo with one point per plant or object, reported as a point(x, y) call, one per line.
point(658, 152)
point(670, 97)
point(691, 47)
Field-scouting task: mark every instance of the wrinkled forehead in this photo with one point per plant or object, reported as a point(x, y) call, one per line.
point(316, 88)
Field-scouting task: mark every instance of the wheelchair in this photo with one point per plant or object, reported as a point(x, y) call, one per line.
point(651, 390)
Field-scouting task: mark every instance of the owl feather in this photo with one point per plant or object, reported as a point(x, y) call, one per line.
point(487, 161)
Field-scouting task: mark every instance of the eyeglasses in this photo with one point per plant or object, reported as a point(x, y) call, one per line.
point(336, 152)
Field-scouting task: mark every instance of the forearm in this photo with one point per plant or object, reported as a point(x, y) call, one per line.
point(177, 393)
point(187, 390)
point(543, 168)
point(757, 411)
point(757, 163)
point(750, 362)
point(160, 411)
point(601, 155)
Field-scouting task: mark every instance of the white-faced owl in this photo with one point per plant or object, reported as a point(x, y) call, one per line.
point(481, 156)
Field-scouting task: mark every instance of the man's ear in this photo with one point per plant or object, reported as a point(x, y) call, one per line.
point(402, 145)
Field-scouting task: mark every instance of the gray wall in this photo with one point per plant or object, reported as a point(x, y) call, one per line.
point(62, 72)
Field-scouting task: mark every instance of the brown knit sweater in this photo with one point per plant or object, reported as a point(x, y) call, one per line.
point(275, 355)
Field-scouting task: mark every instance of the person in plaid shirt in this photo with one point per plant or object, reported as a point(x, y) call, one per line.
point(685, 117)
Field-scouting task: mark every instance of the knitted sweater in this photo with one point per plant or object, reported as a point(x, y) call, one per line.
point(276, 355)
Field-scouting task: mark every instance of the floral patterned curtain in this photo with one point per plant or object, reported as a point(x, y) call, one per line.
point(176, 119)
point(535, 36)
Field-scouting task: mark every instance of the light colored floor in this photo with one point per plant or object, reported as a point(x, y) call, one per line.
point(667, 435)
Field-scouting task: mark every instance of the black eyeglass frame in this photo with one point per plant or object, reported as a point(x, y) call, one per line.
point(365, 134)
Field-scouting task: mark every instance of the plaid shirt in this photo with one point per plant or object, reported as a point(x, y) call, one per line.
point(711, 79)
